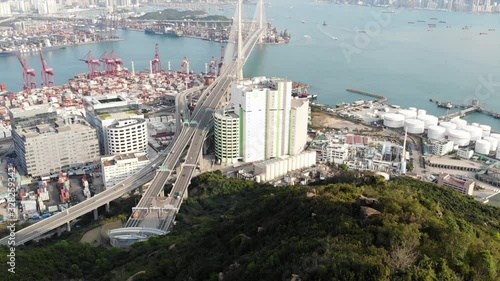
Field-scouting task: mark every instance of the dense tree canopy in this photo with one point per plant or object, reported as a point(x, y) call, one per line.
point(358, 228)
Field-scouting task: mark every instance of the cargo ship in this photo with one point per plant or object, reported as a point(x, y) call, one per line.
point(160, 30)
point(28, 50)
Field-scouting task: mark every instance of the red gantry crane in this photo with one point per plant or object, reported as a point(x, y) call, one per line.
point(29, 74)
point(93, 65)
point(156, 63)
point(185, 65)
point(212, 66)
point(47, 73)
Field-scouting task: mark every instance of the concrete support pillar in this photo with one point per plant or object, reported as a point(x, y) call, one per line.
point(185, 196)
point(59, 231)
point(96, 214)
point(68, 226)
point(140, 189)
point(107, 207)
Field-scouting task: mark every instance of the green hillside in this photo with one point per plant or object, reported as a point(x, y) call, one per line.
point(172, 14)
point(355, 228)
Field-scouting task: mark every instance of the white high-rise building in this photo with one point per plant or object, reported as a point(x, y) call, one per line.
point(270, 123)
point(5, 9)
point(127, 135)
point(227, 136)
point(249, 102)
point(298, 127)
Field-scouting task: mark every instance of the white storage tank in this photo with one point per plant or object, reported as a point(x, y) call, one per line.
point(459, 137)
point(436, 132)
point(461, 124)
point(482, 146)
point(413, 109)
point(421, 112)
point(429, 120)
point(476, 133)
point(493, 143)
point(448, 126)
point(394, 120)
point(414, 126)
point(486, 130)
point(475, 124)
point(408, 114)
point(497, 136)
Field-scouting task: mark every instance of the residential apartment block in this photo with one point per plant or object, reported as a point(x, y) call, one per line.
point(264, 119)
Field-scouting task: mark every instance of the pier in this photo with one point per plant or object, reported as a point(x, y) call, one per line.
point(379, 98)
point(466, 109)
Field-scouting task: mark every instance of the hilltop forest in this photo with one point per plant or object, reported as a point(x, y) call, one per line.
point(352, 227)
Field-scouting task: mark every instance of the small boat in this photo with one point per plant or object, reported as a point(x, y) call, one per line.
point(303, 21)
point(442, 21)
point(411, 22)
point(434, 18)
point(421, 21)
point(388, 12)
point(324, 23)
point(491, 29)
point(362, 31)
point(483, 33)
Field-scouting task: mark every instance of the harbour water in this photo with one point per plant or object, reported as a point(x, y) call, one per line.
point(404, 62)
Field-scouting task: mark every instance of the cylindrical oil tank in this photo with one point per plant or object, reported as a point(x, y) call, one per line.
point(459, 137)
point(475, 124)
point(394, 120)
point(461, 123)
point(436, 132)
point(482, 146)
point(486, 130)
point(476, 133)
point(414, 126)
point(429, 120)
point(414, 109)
point(493, 143)
point(408, 114)
point(421, 112)
point(497, 136)
point(448, 126)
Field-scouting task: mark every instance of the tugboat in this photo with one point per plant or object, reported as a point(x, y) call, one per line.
point(324, 23)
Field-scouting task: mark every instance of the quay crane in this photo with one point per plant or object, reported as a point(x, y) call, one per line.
point(213, 66)
point(47, 73)
point(156, 63)
point(109, 63)
point(221, 63)
point(185, 64)
point(29, 74)
point(93, 65)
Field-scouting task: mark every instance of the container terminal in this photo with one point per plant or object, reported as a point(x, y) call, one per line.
point(32, 36)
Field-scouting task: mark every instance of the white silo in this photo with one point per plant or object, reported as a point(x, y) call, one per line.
point(497, 136)
point(284, 166)
point(290, 163)
point(428, 120)
point(302, 161)
point(294, 163)
point(461, 124)
point(268, 172)
point(414, 109)
point(436, 132)
point(475, 124)
point(448, 126)
point(312, 158)
point(414, 126)
point(482, 146)
point(459, 137)
point(257, 179)
point(421, 112)
point(476, 133)
point(486, 130)
point(493, 143)
point(408, 114)
point(394, 120)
